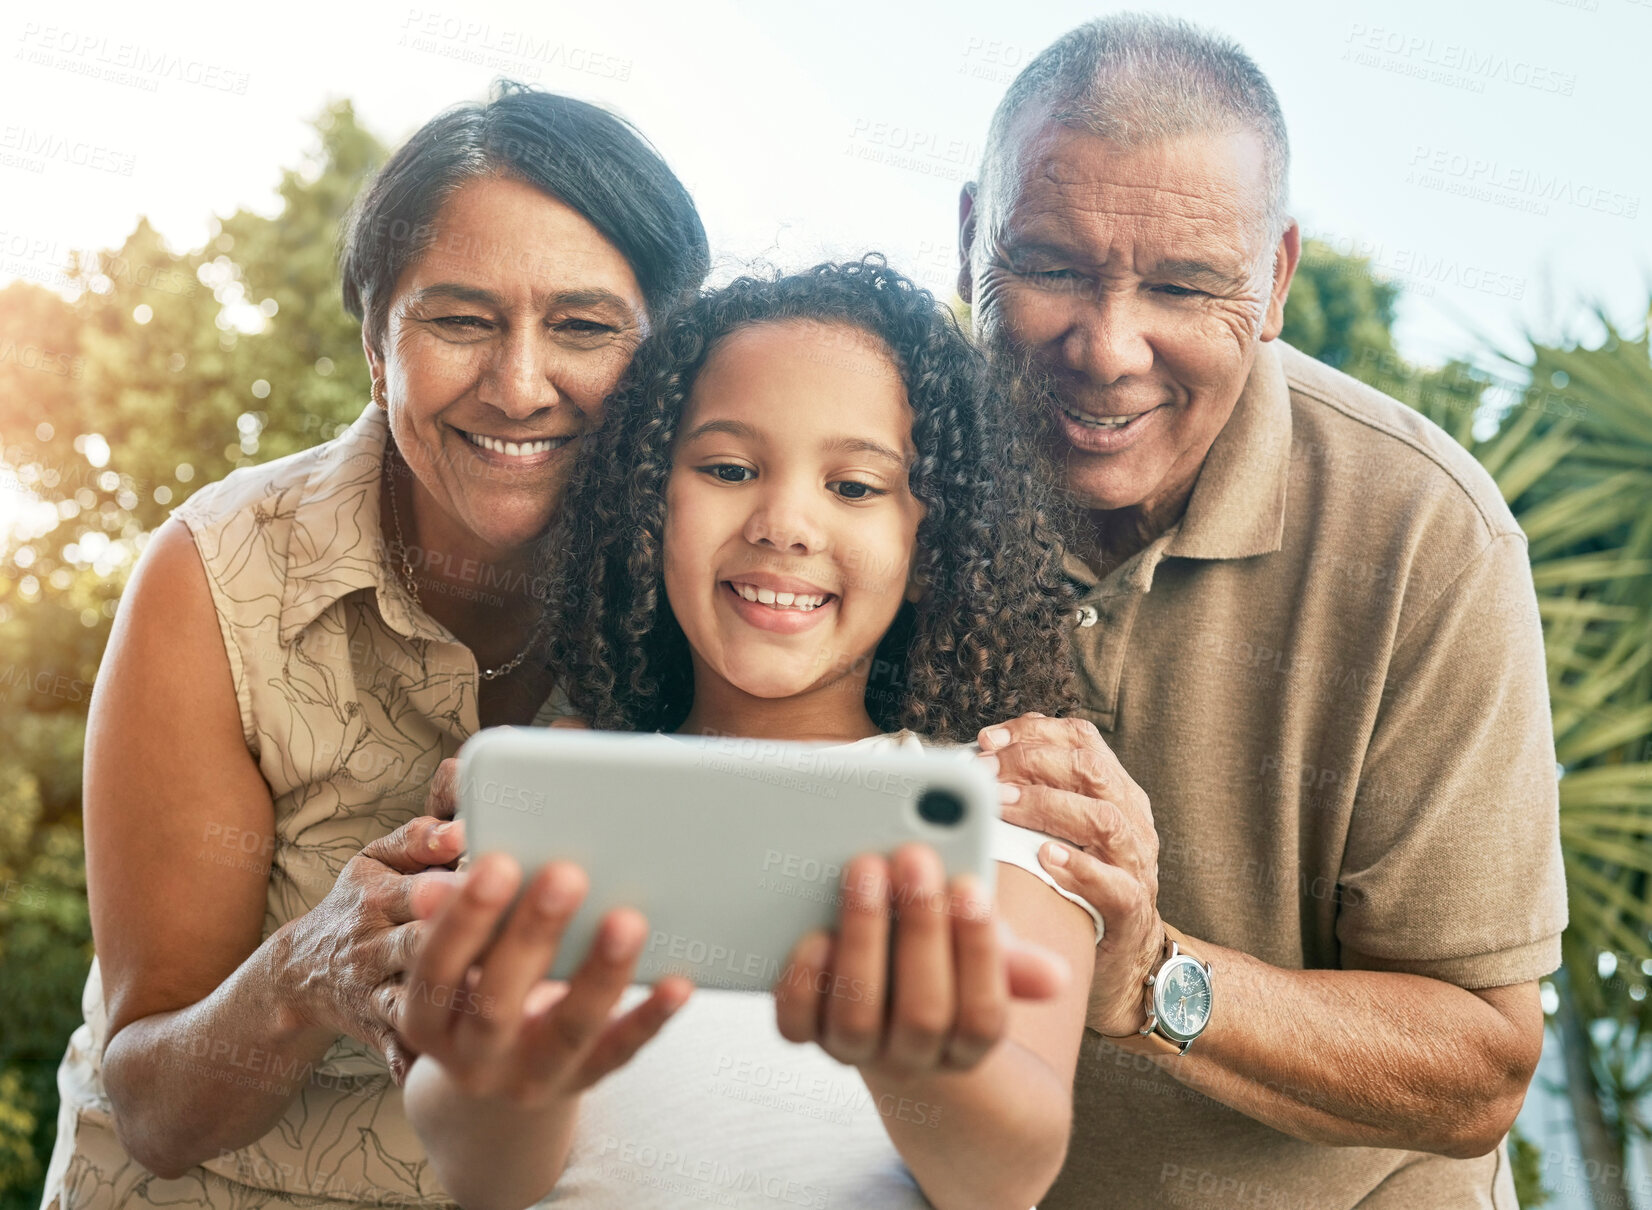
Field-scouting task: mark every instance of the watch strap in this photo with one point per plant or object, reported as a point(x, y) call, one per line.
point(1148, 1038)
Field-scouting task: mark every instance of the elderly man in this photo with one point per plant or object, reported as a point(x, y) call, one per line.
point(1320, 763)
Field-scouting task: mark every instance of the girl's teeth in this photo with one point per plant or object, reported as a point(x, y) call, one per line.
point(780, 600)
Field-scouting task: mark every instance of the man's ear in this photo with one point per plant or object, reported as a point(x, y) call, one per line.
point(966, 240)
point(1285, 259)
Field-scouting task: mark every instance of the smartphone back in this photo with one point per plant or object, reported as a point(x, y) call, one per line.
point(732, 848)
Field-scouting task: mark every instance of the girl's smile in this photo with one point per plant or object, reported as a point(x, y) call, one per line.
point(790, 527)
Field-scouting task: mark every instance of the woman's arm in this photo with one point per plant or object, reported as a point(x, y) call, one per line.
point(211, 1033)
point(994, 1135)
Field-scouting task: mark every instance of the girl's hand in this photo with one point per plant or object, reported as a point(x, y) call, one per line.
point(480, 1006)
point(928, 991)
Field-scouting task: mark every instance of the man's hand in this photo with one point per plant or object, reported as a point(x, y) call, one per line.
point(1059, 776)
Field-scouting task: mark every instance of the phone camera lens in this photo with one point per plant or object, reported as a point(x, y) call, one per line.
point(940, 807)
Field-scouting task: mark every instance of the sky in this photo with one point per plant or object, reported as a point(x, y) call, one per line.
point(1488, 156)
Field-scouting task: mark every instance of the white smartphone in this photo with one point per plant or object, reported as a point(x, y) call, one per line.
point(732, 848)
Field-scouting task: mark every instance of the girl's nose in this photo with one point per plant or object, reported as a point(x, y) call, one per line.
point(779, 522)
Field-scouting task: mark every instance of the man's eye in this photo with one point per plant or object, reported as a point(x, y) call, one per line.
point(462, 322)
point(1052, 274)
point(1177, 291)
point(583, 327)
point(728, 472)
point(854, 489)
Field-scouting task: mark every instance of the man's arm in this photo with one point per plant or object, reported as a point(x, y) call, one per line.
point(1340, 1057)
point(1351, 1058)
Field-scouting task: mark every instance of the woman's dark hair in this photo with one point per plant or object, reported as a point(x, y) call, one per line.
point(986, 642)
point(595, 162)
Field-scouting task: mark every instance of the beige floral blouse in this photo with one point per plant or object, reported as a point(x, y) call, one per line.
point(350, 696)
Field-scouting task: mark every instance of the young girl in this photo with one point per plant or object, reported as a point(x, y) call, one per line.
point(807, 516)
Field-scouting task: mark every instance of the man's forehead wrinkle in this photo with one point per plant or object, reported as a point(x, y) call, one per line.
point(1071, 221)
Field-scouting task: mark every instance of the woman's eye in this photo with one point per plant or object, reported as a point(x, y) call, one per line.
point(728, 472)
point(853, 489)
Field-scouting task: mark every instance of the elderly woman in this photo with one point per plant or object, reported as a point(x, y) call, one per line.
point(304, 642)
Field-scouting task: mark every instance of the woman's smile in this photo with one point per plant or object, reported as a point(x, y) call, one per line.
point(516, 452)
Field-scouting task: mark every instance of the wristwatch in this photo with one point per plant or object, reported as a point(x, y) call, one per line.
point(1178, 999)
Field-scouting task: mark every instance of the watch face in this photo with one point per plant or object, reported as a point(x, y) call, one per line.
point(1181, 998)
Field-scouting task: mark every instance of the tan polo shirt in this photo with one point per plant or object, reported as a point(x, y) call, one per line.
point(1329, 679)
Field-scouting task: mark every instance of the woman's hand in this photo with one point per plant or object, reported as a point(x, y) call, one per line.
point(343, 962)
point(480, 1006)
point(942, 1000)
point(443, 799)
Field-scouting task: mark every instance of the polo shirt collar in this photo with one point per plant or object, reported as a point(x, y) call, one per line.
point(1237, 508)
point(336, 544)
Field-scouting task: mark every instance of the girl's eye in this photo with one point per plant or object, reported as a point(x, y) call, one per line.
point(728, 472)
point(853, 489)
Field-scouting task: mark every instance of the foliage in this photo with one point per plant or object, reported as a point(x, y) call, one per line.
point(1339, 311)
point(1573, 457)
point(154, 373)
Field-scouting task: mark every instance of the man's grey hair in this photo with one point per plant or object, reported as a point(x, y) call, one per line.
point(1135, 80)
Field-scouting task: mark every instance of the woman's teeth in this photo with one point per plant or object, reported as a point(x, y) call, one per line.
point(516, 449)
point(1093, 422)
point(780, 600)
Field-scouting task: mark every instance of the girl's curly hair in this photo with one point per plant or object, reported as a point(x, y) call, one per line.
point(986, 642)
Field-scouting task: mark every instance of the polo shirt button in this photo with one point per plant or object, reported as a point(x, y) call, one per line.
point(1087, 615)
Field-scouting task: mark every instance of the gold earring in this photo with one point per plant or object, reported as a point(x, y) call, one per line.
point(377, 393)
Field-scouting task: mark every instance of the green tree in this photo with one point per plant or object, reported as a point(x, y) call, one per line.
point(1341, 312)
point(161, 372)
point(1572, 453)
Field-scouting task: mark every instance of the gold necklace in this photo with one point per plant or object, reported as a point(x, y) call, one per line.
point(398, 551)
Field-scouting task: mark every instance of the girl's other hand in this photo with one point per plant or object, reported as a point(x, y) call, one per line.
point(919, 975)
point(480, 1006)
